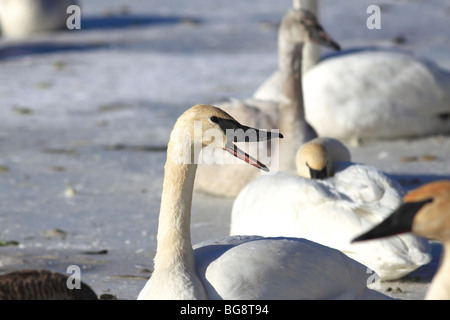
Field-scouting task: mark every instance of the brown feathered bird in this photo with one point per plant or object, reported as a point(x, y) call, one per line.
point(41, 285)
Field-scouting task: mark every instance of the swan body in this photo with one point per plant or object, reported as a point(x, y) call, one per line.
point(21, 18)
point(294, 269)
point(373, 95)
point(236, 267)
point(297, 28)
point(331, 212)
point(425, 212)
point(41, 285)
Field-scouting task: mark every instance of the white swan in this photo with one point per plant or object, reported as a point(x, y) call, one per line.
point(425, 211)
point(297, 27)
point(330, 212)
point(380, 94)
point(41, 285)
point(236, 267)
point(21, 18)
point(370, 95)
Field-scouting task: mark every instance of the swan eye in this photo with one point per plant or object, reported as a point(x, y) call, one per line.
point(214, 119)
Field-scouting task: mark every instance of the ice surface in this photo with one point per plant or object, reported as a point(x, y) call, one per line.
point(85, 116)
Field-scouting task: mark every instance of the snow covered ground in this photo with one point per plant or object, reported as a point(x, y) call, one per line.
point(85, 115)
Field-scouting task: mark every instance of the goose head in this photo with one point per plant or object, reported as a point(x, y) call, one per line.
point(425, 211)
point(207, 126)
point(300, 26)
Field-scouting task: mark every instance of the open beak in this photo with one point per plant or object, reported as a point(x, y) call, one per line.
point(400, 221)
point(240, 133)
point(238, 153)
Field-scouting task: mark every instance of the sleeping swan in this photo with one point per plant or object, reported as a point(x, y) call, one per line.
point(330, 211)
point(316, 159)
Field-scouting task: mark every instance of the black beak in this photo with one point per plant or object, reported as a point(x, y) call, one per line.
point(239, 133)
point(318, 174)
point(318, 35)
point(400, 221)
point(235, 132)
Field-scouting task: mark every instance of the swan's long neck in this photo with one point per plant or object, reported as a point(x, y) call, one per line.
point(292, 115)
point(174, 275)
point(440, 286)
point(174, 237)
point(311, 51)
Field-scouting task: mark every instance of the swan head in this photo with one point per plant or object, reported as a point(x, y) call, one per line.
point(424, 211)
point(312, 161)
point(316, 158)
point(210, 127)
point(299, 25)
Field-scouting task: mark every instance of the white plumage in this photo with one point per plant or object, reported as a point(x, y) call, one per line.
point(279, 268)
point(331, 212)
point(371, 95)
point(424, 211)
point(237, 267)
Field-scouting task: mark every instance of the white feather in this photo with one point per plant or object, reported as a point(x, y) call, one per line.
point(332, 212)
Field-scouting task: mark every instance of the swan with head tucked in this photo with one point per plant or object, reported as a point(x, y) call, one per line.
point(372, 94)
point(425, 212)
point(236, 267)
point(41, 285)
point(22, 18)
point(297, 28)
point(331, 211)
point(316, 159)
